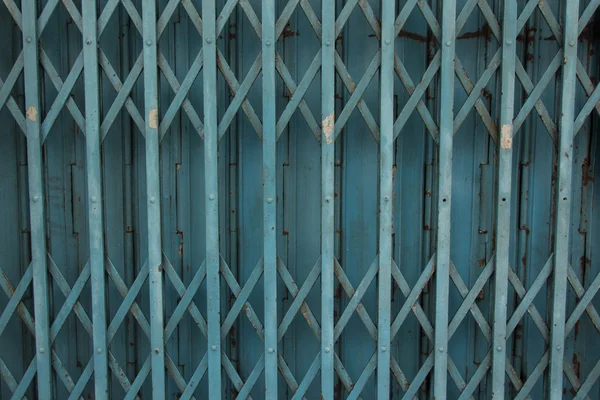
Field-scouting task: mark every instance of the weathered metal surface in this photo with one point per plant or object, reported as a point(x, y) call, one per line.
point(299, 199)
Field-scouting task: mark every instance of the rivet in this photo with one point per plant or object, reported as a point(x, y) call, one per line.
point(383, 348)
point(448, 43)
point(269, 200)
point(89, 41)
point(42, 350)
point(558, 347)
point(35, 199)
point(213, 347)
point(156, 351)
point(499, 348)
point(148, 42)
point(572, 43)
point(268, 42)
point(28, 39)
point(98, 350)
point(509, 42)
point(328, 43)
point(387, 41)
point(327, 349)
point(93, 199)
point(211, 197)
point(208, 40)
point(271, 350)
point(441, 349)
point(152, 199)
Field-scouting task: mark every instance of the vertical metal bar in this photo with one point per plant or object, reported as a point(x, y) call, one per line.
point(444, 198)
point(269, 195)
point(36, 199)
point(563, 200)
point(153, 200)
point(94, 200)
point(503, 222)
point(386, 160)
point(327, 204)
point(211, 193)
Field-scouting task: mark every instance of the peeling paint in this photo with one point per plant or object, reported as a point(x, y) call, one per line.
point(506, 136)
point(153, 119)
point(32, 113)
point(328, 128)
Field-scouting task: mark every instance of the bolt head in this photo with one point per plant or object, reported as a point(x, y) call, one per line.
point(211, 197)
point(499, 348)
point(269, 200)
point(208, 40)
point(148, 42)
point(572, 43)
point(388, 41)
point(268, 42)
point(42, 350)
point(152, 199)
point(327, 43)
point(35, 199)
point(98, 350)
point(383, 348)
point(441, 349)
point(327, 349)
point(28, 39)
point(271, 350)
point(213, 347)
point(558, 347)
point(94, 199)
point(509, 42)
point(448, 43)
point(89, 41)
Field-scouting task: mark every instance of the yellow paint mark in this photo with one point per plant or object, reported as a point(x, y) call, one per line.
point(153, 119)
point(32, 113)
point(506, 136)
point(328, 128)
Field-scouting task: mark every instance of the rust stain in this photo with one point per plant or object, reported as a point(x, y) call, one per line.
point(328, 128)
point(153, 119)
point(506, 136)
point(32, 113)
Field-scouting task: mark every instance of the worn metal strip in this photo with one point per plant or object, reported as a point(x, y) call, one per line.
point(269, 140)
point(563, 201)
point(327, 204)
point(503, 198)
point(386, 187)
point(211, 141)
point(444, 198)
point(36, 199)
point(153, 200)
point(94, 200)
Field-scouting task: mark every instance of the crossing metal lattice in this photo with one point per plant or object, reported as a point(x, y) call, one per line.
point(269, 199)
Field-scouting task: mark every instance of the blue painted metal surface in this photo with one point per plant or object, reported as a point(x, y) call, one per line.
point(299, 199)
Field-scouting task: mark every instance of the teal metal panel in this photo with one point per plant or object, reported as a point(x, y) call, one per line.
point(299, 199)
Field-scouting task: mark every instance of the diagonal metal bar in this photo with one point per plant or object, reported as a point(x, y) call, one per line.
point(474, 95)
point(357, 93)
point(297, 93)
point(240, 92)
point(64, 94)
point(180, 93)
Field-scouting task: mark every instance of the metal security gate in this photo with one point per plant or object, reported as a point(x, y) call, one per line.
point(299, 199)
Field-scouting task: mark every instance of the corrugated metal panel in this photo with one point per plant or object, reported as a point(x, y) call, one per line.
point(299, 199)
